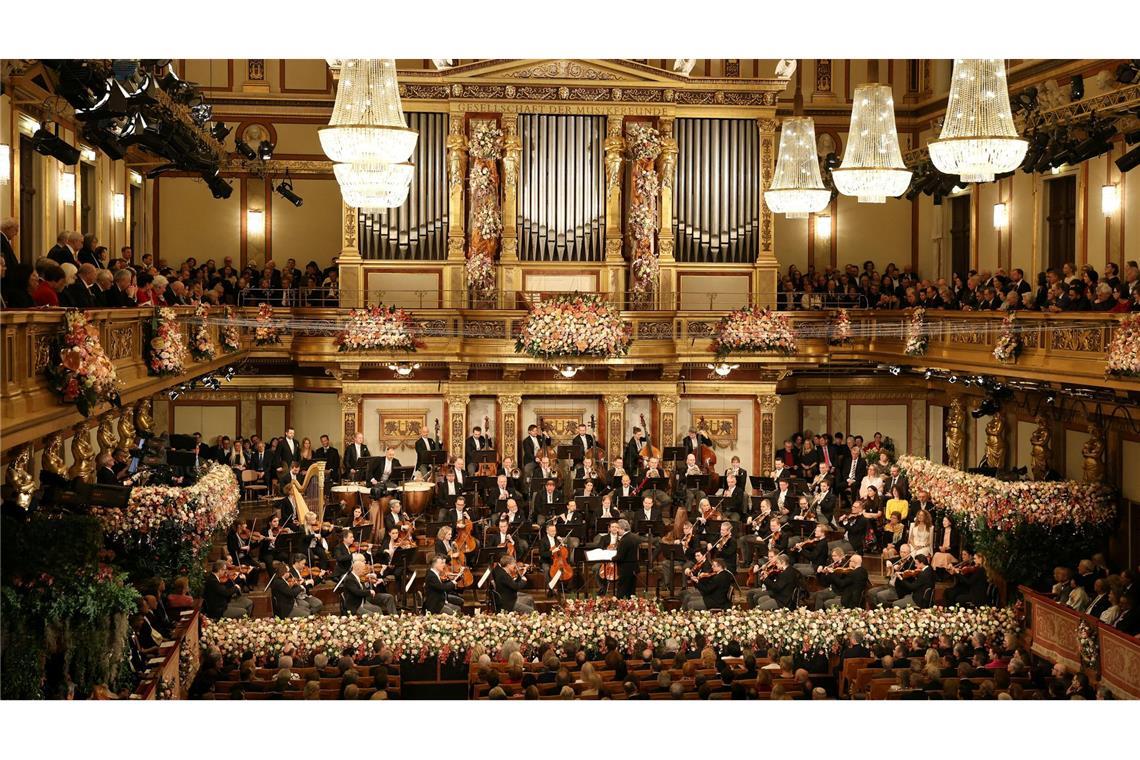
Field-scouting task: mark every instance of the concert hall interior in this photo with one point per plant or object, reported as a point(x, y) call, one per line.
point(568, 377)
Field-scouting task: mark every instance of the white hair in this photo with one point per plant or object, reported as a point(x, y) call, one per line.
point(159, 281)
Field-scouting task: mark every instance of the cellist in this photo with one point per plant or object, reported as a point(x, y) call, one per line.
point(607, 571)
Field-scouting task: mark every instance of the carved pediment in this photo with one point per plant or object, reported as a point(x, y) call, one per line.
point(553, 69)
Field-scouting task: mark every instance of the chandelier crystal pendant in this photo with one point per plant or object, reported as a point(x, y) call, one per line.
point(374, 185)
point(368, 120)
point(797, 188)
point(873, 165)
point(978, 137)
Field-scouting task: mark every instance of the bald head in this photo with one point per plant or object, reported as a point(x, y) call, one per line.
point(87, 273)
point(74, 240)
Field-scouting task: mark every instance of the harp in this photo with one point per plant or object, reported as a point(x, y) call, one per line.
point(310, 491)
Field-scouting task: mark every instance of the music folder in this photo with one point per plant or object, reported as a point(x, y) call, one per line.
point(696, 481)
point(600, 555)
point(435, 456)
point(629, 503)
point(762, 483)
point(656, 484)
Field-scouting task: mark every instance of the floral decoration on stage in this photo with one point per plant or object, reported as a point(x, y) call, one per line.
point(480, 272)
point(265, 332)
point(642, 221)
point(573, 325)
point(1089, 645)
point(379, 328)
point(82, 373)
point(1009, 345)
point(754, 329)
point(202, 346)
point(1004, 504)
point(418, 638)
point(485, 214)
point(231, 333)
point(1124, 349)
point(840, 333)
point(915, 333)
point(193, 513)
point(166, 353)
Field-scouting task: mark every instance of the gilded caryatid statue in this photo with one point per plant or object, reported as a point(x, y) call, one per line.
point(52, 458)
point(1093, 452)
point(82, 454)
point(1040, 449)
point(512, 153)
point(144, 416)
point(456, 153)
point(667, 161)
point(995, 442)
point(956, 434)
point(105, 434)
point(20, 476)
point(614, 150)
point(127, 426)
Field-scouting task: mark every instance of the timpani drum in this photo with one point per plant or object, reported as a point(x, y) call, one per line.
point(416, 496)
point(347, 495)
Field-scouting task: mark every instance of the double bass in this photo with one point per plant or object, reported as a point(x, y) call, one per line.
point(706, 456)
point(648, 451)
point(488, 469)
point(548, 449)
point(597, 453)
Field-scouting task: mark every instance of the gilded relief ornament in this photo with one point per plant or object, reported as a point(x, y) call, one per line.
point(126, 426)
point(105, 434)
point(614, 150)
point(20, 476)
point(52, 458)
point(512, 153)
point(456, 153)
point(1093, 453)
point(1041, 449)
point(82, 454)
point(144, 416)
point(995, 442)
point(956, 434)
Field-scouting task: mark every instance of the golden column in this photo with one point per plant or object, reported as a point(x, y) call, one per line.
point(615, 425)
point(768, 403)
point(454, 280)
point(349, 409)
point(82, 453)
point(615, 275)
point(105, 434)
point(457, 422)
point(510, 274)
point(666, 166)
point(509, 430)
point(766, 273)
point(667, 409)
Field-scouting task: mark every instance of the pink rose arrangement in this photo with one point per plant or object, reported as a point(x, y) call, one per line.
point(231, 333)
point(754, 329)
point(915, 333)
point(1123, 354)
point(841, 328)
point(379, 328)
point(480, 271)
point(202, 346)
point(83, 373)
point(266, 332)
point(167, 348)
point(573, 325)
point(1009, 344)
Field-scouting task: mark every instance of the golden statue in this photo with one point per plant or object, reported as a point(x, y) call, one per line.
point(82, 453)
point(105, 434)
point(615, 149)
point(52, 458)
point(995, 442)
point(1093, 452)
point(19, 478)
point(668, 160)
point(512, 153)
point(956, 434)
point(456, 157)
point(144, 416)
point(126, 427)
point(1041, 449)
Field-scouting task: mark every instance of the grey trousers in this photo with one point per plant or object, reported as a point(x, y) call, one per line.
point(524, 603)
point(240, 607)
point(314, 604)
point(906, 601)
point(884, 595)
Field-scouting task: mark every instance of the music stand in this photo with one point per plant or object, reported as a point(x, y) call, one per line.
point(697, 482)
point(673, 552)
point(589, 505)
point(362, 467)
point(573, 453)
point(629, 503)
point(434, 458)
point(673, 454)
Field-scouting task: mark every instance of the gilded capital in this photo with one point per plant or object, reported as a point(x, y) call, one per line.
point(768, 402)
point(509, 401)
point(668, 404)
point(457, 399)
point(767, 125)
point(348, 402)
point(616, 403)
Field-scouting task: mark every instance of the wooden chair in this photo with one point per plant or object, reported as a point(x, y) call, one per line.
point(251, 484)
point(851, 666)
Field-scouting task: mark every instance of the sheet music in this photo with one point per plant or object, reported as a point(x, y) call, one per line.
point(600, 555)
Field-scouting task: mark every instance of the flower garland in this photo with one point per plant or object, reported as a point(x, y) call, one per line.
point(1004, 505)
point(1124, 349)
point(1009, 344)
point(841, 328)
point(916, 337)
point(573, 325)
point(486, 141)
point(644, 147)
point(486, 216)
point(644, 141)
point(379, 328)
point(480, 271)
point(754, 328)
point(201, 341)
point(265, 333)
point(82, 373)
point(1089, 645)
point(423, 637)
point(231, 333)
point(195, 512)
point(167, 349)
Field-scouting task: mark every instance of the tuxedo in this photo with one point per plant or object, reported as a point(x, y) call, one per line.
point(782, 498)
point(286, 452)
point(585, 441)
point(331, 457)
point(435, 592)
point(545, 549)
point(654, 515)
point(733, 501)
point(472, 445)
point(782, 587)
point(106, 477)
point(423, 446)
point(726, 552)
point(782, 472)
point(78, 294)
point(692, 445)
point(353, 453)
point(284, 596)
point(446, 491)
point(850, 587)
point(547, 504)
point(531, 446)
point(288, 510)
point(354, 593)
point(716, 591)
point(902, 483)
point(382, 468)
point(342, 555)
point(507, 588)
point(633, 449)
point(917, 587)
point(626, 560)
point(824, 504)
point(116, 298)
point(10, 257)
point(217, 595)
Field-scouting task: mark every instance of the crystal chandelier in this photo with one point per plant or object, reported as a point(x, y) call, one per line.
point(373, 185)
point(872, 166)
point(797, 189)
point(978, 137)
point(566, 370)
point(721, 369)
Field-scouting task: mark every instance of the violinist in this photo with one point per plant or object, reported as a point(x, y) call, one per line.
point(286, 593)
point(886, 594)
point(760, 527)
point(860, 527)
point(848, 585)
point(918, 590)
point(239, 548)
point(824, 573)
point(437, 599)
point(777, 541)
point(725, 546)
point(509, 579)
point(342, 553)
point(221, 597)
point(713, 590)
point(315, 542)
point(395, 515)
point(393, 543)
point(811, 552)
point(823, 503)
point(690, 544)
point(778, 590)
point(971, 585)
point(269, 548)
point(305, 578)
point(358, 595)
point(732, 505)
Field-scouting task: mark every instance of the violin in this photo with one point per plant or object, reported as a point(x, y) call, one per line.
point(559, 562)
point(709, 552)
point(965, 568)
point(314, 573)
point(249, 536)
point(764, 572)
point(839, 567)
point(711, 513)
point(518, 570)
point(237, 572)
point(805, 544)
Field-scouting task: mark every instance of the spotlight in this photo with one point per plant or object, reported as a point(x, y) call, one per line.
point(201, 113)
point(285, 189)
point(219, 131)
point(1050, 400)
point(173, 394)
point(1127, 73)
point(987, 407)
point(1129, 160)
point(1077, 88)
point(218, 186)
point(928, 374)
point(265, 150)
point(831, 161)
point(246, 152)
point(953, 379)
point(230, 372)
point(147, 92)
point(114, 103)
point(895, 370)
point(49, 144)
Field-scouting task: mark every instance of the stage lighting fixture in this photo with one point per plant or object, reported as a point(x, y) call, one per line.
point(1127, 73)
point(49, 144)
point(988, 407)
point(105, 140)
point(285, 189)
point(218, 186)
point(265, 150)
point(895, 370)
point(953, 379)
point(219, 131)
point(245, 151)
point(147, 92)
point(114, 103)
point(230, 372)
point(1129, 160)
point(201, 113)
point(1077, 88)
point(928, 374)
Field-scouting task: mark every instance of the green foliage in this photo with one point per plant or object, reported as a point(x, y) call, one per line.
point(1028, 553)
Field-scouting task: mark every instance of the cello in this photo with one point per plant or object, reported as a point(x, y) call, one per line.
point(560, 561)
